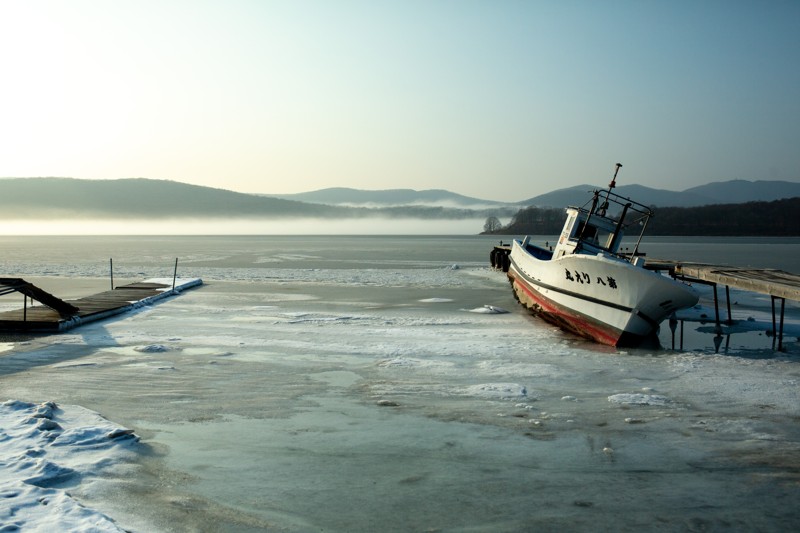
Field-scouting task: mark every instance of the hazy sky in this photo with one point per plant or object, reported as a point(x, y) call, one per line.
point(496, 99)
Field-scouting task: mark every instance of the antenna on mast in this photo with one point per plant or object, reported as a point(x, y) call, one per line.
point(604, 206)
point(614, 179)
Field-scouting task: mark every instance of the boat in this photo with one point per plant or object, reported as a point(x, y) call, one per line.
point(588, 283)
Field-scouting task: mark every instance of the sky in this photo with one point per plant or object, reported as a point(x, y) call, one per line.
point(496, 99)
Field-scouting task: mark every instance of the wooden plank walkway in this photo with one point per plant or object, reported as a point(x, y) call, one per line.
point(43, 318)
point(9, 285)
point(772, 282)
point(777, 284)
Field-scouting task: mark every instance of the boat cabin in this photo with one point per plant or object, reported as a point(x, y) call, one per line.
point(583, 233)
point(595, 230)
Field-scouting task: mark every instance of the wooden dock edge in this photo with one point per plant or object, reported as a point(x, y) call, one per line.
point(117, 301)
point(180, 285)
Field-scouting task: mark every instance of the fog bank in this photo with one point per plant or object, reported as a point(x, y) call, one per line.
point(304, 226)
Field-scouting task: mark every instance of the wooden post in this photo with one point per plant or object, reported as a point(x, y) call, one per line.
point(774, 331)
point(780, 335)
point(728, 300)
point(111, 270)
point(716, 309)
point(175, 274)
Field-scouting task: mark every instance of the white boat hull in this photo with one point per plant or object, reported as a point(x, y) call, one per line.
point(601, 297)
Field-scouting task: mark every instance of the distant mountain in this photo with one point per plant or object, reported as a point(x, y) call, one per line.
point(727, 192)
point(42, 198)
point(343, 196)
point(135, 198)
point(645, 195)
point(740, 191)
point(739, 219)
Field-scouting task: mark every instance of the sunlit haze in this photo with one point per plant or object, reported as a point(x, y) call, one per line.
point(261, 226)
point(500, 100)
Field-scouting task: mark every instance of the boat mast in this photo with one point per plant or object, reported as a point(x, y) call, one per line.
point(613, 181)
point(603, 207)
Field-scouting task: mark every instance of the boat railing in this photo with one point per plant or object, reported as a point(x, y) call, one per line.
point(627, 206)
point(538, 252)
point(630, 213)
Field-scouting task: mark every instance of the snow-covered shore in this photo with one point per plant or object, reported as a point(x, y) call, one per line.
point(44, 450)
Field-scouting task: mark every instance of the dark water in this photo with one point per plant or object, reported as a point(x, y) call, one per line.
point(63, 255)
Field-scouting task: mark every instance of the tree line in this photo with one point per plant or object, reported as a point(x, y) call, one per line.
point(778, 218)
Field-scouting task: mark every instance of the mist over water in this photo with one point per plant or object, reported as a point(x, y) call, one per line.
point(261, 226)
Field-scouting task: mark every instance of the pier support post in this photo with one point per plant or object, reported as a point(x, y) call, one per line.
point(780, 335)
point(774, 334)
point(777, 329)
point(728, 302)
point(716, 309)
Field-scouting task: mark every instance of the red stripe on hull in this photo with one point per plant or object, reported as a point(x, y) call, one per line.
point(563, 317)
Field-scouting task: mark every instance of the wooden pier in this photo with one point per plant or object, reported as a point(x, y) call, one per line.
point(777, 284)
point(55, 315)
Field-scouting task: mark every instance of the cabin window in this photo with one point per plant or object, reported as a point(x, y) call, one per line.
point(586, 232)
point(591, 234)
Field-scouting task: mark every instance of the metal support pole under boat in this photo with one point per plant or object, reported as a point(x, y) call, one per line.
point(673, 325)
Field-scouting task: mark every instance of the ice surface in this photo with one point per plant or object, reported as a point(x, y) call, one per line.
point(308, 387)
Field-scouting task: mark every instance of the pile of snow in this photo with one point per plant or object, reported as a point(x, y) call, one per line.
point(43, 447)
point(489, 310)
point(152, 348)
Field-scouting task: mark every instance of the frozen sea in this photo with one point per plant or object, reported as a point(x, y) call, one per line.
point(348, 384)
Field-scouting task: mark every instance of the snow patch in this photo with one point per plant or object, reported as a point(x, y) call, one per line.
point(489, 310)
point(152, 348)
point(45, 446)
point(497, 390)
point(639, 399)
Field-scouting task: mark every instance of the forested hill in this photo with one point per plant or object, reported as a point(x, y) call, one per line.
point(778, 218)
